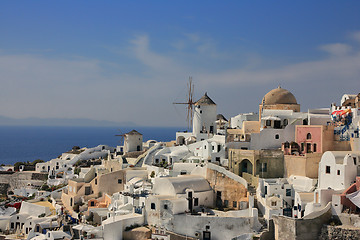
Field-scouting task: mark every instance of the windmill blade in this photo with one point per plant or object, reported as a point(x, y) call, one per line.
point(189, 103)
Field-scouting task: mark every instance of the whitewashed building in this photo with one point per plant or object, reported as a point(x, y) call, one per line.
point(338, 169)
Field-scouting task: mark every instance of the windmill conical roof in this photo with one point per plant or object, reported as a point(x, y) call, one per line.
point(205, 100)
point(133, 132)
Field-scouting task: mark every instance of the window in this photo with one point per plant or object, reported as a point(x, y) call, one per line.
point(327, 169)
point(119, 181)
point(285, 122)
point(196, 202)
point(288, 192)
point(338, 172)
point(268, 123)
point(234, 204)
point(302, 147)
point(204, 146)
point(277, 124)
point(277, 136)
point(354, 158)
point(96, 181)
point(226, 203)
point(92, 203)
point(200, 111)
point(273, 203)
point(218, 148)
point(213, 148)
point(165, 206)
point(308, 136)
point(314, 147)
point(153, 206)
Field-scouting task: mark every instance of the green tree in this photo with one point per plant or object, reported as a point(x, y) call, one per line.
point(17, 165)
point(37, 161)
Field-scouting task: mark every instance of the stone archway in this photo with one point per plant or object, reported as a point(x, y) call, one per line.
point(245, 166)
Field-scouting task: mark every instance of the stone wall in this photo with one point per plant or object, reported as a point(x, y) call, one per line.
point(231, 191)
point(308, 228)
point(23, 179)
point(4, 188)
point(140, 233)
point(39, 176)
point(339, 232)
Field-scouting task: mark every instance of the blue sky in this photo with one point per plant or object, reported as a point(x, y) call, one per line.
point(129, 60)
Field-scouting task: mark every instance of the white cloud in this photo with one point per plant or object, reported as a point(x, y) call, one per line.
point(151, 59)
point(336, 49)
point(343, 69)
point(34, 85)
point(194, 37)
point(356, 36)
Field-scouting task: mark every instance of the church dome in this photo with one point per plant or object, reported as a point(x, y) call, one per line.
point(279, 96)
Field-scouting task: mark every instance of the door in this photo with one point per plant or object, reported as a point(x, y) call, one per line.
point(190, 201)
point(206, 235)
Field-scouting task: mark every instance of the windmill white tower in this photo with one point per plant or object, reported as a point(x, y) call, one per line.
point(204, 116)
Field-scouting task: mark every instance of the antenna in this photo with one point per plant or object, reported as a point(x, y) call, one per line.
point(189, 103)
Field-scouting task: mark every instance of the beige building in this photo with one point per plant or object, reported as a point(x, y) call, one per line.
point(95, 184)
point(243, 134)
point(279, 99)
point(255, 164)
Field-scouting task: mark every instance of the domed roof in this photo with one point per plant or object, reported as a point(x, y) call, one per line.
point(279, 96)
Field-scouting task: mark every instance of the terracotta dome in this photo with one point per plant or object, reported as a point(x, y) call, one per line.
point(279, 96)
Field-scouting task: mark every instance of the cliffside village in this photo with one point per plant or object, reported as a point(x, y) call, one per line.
point(276, 174)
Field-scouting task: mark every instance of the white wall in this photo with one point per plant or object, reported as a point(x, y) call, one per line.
point(131, 143)
point(114, 226)
point(341, 175)
point(220, 227)
point(204, 115)
point(33, 209)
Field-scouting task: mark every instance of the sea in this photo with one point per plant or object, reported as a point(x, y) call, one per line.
point(28, 143)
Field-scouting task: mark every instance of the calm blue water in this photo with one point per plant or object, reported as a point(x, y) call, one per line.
point(30, 143)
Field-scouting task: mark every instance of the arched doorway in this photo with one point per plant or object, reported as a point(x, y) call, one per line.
point(246, 167)
point(181, 140)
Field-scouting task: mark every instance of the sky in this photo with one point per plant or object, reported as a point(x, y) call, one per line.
point(128, 61)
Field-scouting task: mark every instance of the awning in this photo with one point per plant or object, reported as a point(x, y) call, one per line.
point(341, 112)
point(83, 227)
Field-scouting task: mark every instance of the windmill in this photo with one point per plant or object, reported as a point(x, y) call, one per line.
point(189, 102)
point(122, 135)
